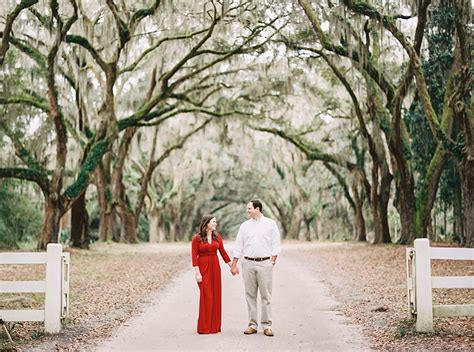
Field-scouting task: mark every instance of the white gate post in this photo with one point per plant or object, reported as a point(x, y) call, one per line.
point(424, 299)
point(52, 304)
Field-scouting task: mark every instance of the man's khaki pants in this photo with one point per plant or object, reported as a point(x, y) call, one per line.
point(258, 277)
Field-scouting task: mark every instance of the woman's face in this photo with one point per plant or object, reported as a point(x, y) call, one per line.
point(211, 225)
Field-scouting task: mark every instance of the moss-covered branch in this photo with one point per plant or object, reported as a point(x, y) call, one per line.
point(341, 50)
point(55, 110)
point(192, 53)
point(26, 99)
point(389, 23)
point(27, 174)
point(32, 52)
point(239, 50)
point(134, 119)
point(122, 28)
point(342, 181)
point(142, 13)
point(81, 41)
point(202, 110)
point(4, 45)
point(133, 65)
point(22, 153)
point(311, 151)
point(93, 158)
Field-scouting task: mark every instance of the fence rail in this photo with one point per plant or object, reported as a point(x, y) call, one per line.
point(420, 283)
point(55, 287)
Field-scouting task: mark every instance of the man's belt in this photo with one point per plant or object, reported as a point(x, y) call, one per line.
point(257, 259)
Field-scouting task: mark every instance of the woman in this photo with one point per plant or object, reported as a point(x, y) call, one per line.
point(208, 274)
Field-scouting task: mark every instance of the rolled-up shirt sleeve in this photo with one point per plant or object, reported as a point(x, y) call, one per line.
point(276, 240)
point(239, 243)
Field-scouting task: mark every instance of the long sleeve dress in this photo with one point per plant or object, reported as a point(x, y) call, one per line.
point(204, 255)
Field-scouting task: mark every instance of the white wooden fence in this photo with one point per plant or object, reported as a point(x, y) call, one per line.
point(55, 287)
point(420, 283)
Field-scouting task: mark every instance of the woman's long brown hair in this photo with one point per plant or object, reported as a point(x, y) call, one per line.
point(203, 228)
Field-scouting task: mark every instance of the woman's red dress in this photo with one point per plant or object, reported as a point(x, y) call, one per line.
point(204, 255)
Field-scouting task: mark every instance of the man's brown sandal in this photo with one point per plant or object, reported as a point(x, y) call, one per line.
point(268, 332)
point(250, 330)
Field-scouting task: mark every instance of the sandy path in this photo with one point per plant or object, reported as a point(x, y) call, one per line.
point(304, 317)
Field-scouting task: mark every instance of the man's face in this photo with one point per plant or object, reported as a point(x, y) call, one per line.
point(251, 211)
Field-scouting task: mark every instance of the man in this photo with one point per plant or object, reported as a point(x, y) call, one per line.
point(258, 242)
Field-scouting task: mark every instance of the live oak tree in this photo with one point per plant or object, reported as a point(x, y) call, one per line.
point(357, 24)
point(102, 50)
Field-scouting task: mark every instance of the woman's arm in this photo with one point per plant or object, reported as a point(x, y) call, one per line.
point(222, 250)
point(195, 258)
point(197, 275)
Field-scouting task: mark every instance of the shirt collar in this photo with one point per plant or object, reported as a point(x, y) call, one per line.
point(259, 219)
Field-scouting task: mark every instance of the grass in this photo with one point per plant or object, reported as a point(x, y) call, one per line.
point(404, 327)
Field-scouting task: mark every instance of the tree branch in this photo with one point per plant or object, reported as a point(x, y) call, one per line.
point(27, 174)
point(367, 65)
point(389, 23)
point(311, 151)
point(26, 99)
point(24, 4)
point(79, 40)
point(132, 66)
point(343, 183)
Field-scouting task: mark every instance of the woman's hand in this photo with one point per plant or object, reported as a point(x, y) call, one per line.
point(198, 278)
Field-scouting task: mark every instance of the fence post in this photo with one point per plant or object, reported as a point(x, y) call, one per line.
point(52, 304)
point(424, 299)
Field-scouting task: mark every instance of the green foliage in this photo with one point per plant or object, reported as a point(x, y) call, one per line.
point(385, 125)
point(449, 182)
point(20, 217)
point(436, 69)
point(92, 160)
point(279, 170)
point(143, 228)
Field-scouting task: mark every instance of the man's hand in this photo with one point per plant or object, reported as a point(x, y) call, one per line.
point(234, 269)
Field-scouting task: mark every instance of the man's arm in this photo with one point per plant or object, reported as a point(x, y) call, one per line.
point(239, 245)
point(276, 243)
point(234, 269)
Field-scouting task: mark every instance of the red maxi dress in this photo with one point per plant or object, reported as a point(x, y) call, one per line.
point(204, 255)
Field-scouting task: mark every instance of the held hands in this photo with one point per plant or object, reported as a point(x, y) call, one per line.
point(234, 269)
point(198, 278)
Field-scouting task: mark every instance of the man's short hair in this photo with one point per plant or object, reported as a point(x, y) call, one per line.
point(257, 204)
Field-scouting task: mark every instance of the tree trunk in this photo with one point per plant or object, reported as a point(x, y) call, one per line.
point(105, 202)
point(359, 216)
point(407, 210)
point(50, 228)
point(384, 198)
point(308, 231)
point(153, 220)
point(161, 229)
point(174, 219)
point(427, 196)
point(80, 224)
point(466, 170)
point(121, 206)
point(379, 203)
point(294, 229)
point(128, 229)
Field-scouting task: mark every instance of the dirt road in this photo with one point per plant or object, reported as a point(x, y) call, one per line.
point(304, 317)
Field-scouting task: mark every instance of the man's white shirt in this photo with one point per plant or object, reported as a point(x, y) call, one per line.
point(257, 239)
